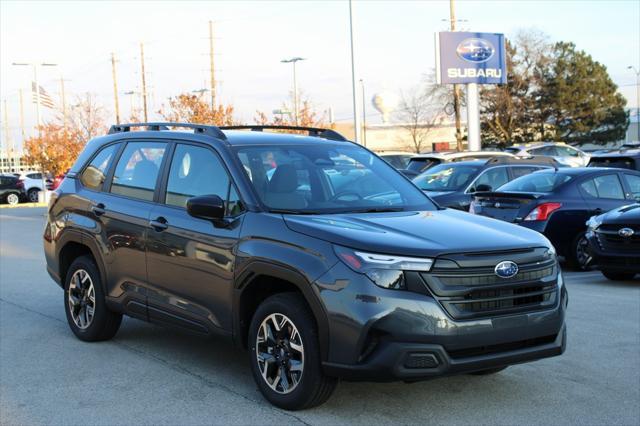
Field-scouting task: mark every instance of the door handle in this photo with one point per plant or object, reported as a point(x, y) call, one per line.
point(98, 209)
point(159, 224)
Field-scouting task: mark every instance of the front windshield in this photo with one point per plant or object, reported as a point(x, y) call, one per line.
point(536, 182)
point(446, 177)
point(327, 178)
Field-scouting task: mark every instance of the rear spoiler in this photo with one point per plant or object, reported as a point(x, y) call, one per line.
point(525, 195)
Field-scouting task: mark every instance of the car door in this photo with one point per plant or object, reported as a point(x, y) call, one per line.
point(603, 193)
point(190, 260)
point(121, 212)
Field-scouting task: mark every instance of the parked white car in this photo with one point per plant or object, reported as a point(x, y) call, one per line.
point(32, 181)
point(564, 154)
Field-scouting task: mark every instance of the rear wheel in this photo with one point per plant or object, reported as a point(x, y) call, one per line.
point(85, 306)
point(579, 256)
point(13, 199)
point(285, 354)
point(617, 275)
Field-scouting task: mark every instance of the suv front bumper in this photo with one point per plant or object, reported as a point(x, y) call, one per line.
point(388, 335)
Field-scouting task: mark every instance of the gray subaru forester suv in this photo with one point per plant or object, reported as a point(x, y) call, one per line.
point(305, 249)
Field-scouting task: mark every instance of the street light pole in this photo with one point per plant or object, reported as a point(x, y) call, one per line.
point(456, 89)
point(637, 71)
point(356, 117)
point(295, 85)
point(364, 115)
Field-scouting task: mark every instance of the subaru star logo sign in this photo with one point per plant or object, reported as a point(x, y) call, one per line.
point(626, 232)
point(475, 50)
point(506, 269)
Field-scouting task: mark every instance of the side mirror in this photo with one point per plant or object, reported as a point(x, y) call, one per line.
point(210, 207)
point(482, 188)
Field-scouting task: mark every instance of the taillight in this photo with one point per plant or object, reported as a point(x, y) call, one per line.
point(543, 211)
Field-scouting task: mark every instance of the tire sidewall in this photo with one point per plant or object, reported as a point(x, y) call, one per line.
point(11, 197)
point(92, 332)
point(306, 328)
point(574, 261)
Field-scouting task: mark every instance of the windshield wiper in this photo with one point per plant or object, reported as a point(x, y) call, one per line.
point(286, 211)
point(378, 210)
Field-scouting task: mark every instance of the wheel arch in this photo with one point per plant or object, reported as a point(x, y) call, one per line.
point(259, 280)
point(73, 245)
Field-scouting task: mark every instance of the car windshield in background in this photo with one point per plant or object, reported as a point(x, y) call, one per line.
point(327, 179)
point(536, 182)
point(617, 162)
point(446, 177)
point(512, 150)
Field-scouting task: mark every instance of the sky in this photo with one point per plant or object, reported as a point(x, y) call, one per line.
point(394, 47)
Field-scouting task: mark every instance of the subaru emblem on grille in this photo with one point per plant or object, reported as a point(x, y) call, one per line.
point(506, 269)
point(626, 232)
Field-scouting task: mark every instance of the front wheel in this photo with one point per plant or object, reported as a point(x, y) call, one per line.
point(579, 257)
point(617, 275)
point(285, 354)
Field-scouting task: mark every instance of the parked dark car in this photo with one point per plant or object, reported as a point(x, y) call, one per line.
point(558, 203)
point(623, 159)
point(614, 242)
point(422, 162)
point(310, 251)
point(11, 189)
point(453, 184)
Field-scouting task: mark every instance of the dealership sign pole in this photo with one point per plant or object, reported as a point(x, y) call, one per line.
point(472, 59)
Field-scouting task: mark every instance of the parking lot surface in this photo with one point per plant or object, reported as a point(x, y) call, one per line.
point(152, 375)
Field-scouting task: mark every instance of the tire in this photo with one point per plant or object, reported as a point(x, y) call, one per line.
point(32, 195)
point(488, 371)
point(617, 275)
point(13, 199)
point(287, 348)
point(83, 283)
point(578, 256)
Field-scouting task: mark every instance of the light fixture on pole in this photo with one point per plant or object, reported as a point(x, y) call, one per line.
point(295, 84)
point(637, 71)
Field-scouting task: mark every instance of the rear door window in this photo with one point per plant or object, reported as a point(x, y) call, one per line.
point(493, 178)
point(137, 170)
point(522, 171)
point(606, 186)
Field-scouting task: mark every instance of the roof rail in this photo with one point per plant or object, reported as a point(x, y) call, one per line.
point(533, 159)
point(197, 128)
point(312, 131)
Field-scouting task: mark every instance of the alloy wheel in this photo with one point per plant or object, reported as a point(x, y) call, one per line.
point(280, 353)
point(582, 252)
point(81, 299)
point(13, 199)
point(33, 195)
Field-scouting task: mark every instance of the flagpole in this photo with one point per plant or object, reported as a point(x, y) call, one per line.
point(35, 79)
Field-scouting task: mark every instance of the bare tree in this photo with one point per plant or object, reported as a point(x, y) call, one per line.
point(87, 117)
point(418, 112)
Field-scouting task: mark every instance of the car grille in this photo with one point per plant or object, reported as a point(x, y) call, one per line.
point(610, 240)
point(467, 287)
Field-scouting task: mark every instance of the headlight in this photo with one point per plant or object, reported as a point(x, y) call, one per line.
point(594, 222)
point(385, 270)
point(551, 253)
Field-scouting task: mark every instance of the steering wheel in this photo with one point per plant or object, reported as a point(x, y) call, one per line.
point(339, 195)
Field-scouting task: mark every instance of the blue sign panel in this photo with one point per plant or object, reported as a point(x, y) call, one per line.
point(471, 58)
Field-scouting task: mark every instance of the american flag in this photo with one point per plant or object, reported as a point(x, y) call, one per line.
point(45, 99)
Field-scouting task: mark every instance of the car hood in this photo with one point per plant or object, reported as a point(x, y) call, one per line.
point(426, 233)
point(626, 215)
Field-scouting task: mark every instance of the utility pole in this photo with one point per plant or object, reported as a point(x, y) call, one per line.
point(295, 85)
point(364, 115)
point(144, 83)
point(115, 86)
point(456, 90)
point(356, 117)
point(64, 104)
point(24, 135)
point(6, 133)
point(211, 67)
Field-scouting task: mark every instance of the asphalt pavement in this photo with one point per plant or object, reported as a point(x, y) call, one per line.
point(151, 375)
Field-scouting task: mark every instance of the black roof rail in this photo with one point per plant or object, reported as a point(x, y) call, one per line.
point(197, 128)
point(532, 159)
point(312, 131)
